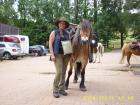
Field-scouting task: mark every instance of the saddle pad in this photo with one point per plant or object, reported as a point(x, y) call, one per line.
point(134, 46)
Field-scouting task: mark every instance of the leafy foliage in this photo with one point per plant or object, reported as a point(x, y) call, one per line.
point(113, 19)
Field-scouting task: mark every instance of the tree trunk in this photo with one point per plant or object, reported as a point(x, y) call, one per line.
point(95, 12)
point(122, 40)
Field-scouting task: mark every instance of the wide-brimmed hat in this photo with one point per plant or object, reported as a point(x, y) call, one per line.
point(62, 19)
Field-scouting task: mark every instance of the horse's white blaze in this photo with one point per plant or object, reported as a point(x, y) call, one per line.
point(84, 38)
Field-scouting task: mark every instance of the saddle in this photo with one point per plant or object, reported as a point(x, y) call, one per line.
point(135, 46)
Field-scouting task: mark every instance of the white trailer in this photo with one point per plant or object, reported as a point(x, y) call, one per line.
point(23, 42)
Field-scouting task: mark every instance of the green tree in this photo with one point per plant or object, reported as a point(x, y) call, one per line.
point(132, 7)
point(7, 12)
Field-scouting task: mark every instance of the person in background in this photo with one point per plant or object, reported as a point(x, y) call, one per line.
point(57, 56)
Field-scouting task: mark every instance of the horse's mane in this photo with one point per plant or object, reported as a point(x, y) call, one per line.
point(85, 24)
point(76, 38)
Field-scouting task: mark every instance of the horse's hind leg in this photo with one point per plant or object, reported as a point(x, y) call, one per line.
point(95, 57)
point(99, 58)
point(75, 77)
point(82, 85)
point(128, 59)
point(77, 68)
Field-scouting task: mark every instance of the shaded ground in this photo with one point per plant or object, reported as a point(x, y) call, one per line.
point(29, 81)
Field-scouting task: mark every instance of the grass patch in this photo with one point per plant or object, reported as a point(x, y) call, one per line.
point(116, 43)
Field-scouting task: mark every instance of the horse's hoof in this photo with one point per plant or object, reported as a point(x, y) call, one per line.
point(74, 81)
point(66, 88)
point(129, 66)
point(90, 61)
point(83, 89)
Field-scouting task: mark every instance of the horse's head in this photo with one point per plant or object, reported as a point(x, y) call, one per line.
point(85, 30)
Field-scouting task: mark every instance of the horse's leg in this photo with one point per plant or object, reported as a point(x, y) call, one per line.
point(100, 53)
point(77, 68)
point(67, 80)
point(95, 56)
point(69, 74)
point(82, 85)
point(90, 57)
point(90, 53)
point(75, 77)
point(99, 57)
point(128, 59)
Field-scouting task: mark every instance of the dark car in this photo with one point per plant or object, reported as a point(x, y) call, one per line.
point(45, 51)
point(37, 50)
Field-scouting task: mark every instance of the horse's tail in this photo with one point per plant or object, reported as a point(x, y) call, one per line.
point(123, 53)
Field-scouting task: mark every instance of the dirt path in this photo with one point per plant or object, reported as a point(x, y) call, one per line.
point(28, 81)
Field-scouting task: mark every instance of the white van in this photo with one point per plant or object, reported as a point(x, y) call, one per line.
point(22, 40)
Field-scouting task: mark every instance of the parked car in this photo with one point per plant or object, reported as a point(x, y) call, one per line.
point(1, 53)
point(10, 50)
point(37, 50)
point(44, 50)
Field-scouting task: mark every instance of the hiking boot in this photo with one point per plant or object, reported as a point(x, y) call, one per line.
point(56, 94)
point(63, 92)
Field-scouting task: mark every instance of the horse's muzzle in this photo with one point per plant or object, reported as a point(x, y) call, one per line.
point(84, 40)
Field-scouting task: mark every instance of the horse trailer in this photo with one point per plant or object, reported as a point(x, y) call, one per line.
point(22, 40)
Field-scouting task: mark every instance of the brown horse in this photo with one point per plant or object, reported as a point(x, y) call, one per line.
point(81, 47)
point(128, 50)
